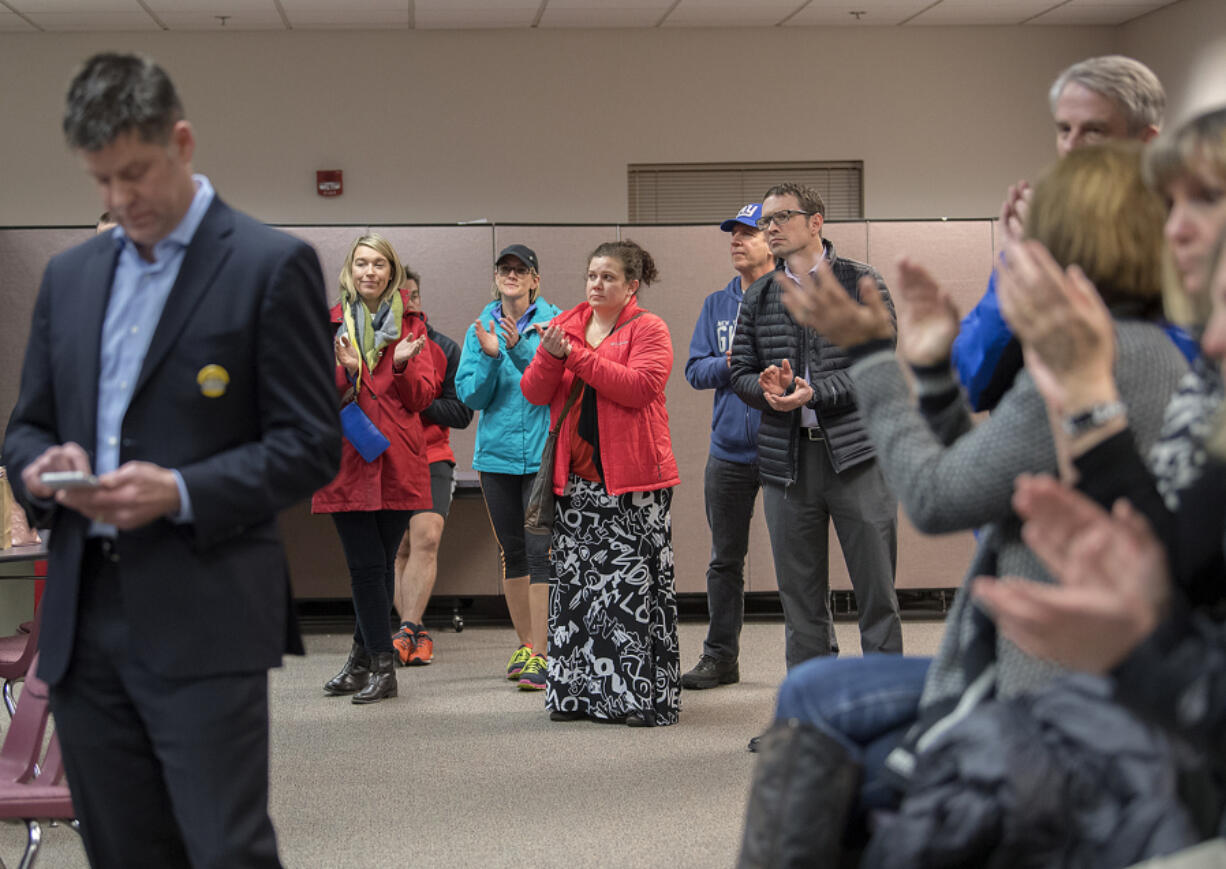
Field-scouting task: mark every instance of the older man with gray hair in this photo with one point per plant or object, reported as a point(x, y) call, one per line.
point(1093, 101)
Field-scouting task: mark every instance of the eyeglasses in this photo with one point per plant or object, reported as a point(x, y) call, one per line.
point(780, 217)
point(518, 271)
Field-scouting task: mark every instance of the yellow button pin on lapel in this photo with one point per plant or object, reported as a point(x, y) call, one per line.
point(213, 380)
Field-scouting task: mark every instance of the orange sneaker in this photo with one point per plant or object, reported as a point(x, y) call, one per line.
point(402, 643)
point(423, 649)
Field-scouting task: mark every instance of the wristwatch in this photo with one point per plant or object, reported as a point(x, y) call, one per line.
point(1095, 416)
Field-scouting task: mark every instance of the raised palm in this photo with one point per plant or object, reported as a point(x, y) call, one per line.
point(927, 317)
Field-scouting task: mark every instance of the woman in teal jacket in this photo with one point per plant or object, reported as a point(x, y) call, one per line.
point(510, 435)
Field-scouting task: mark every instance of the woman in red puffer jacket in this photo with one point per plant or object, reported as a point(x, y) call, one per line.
point(612, 609)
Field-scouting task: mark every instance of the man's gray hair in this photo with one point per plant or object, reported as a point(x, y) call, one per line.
point(1129, 83)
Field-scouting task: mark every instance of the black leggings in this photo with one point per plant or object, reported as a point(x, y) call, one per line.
point(506, 498)
point(370, 540)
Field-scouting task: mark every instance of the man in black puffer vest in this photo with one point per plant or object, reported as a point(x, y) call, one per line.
point(815, 457)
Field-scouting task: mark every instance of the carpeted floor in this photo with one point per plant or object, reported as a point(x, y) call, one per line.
point(463, 769)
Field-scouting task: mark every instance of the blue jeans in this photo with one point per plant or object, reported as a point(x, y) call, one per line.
point(866, 704)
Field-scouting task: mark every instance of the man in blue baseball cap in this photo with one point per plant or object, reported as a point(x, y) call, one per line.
point(731, 479)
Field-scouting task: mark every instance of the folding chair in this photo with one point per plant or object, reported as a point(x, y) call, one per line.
point(26, 793)
point(16, 655)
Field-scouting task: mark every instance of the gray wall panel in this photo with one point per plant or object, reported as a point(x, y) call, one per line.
point(456, 267)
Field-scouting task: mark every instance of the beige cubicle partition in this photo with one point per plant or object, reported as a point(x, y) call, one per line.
point(456, 267)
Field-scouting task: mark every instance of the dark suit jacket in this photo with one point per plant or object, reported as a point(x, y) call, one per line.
point(212, 596)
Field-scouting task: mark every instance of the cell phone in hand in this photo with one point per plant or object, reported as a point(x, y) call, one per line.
point(68, 480)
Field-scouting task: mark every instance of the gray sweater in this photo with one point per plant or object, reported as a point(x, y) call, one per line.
point(951, 475)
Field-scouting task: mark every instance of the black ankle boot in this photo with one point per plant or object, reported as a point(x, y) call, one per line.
point(382, 679)
point(805, 786)
point(353, 675)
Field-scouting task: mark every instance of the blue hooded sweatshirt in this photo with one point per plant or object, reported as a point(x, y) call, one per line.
point(510, 432)
point(734, 424)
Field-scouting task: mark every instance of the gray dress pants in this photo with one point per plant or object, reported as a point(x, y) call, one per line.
point(865, 515)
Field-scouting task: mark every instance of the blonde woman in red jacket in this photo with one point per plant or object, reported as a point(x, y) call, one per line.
point(612, 608)
point(379, 364)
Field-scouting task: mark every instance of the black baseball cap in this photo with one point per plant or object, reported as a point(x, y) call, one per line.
point(521, 252)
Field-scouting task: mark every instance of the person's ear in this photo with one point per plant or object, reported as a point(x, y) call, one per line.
point(183, 140)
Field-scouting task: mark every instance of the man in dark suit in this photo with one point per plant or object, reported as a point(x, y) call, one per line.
point(185, 359)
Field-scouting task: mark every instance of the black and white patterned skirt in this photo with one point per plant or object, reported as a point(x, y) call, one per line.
point(612, 606)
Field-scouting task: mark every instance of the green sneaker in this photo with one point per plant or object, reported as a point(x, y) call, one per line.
point(521, 656)
point(532, 676)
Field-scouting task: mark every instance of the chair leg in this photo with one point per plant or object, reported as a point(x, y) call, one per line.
point(34, 838)
point(9, 703)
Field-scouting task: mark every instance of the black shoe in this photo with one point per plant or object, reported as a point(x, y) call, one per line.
point(381, 682)
point(637, 719)
point(619, 719)
point(556, 715)
point(352, 676)
point(754, 744)
point(710, 673)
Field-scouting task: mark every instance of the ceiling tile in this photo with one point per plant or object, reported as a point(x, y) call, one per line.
point(65, 22)
point(968, 17)
point(839, 13)
point(601, 17)
point(208, 20)
point(727, 13)
point(344, 15)
point(260, 8)
point(477, 5)
point(439, 14)
point(112, 15)
point(640, 6)
point(349, 19)
point(30, 6)
point(1093, 15)
point(1152, 4)
point(495, 19)
point(11, 23)
point(339, 9)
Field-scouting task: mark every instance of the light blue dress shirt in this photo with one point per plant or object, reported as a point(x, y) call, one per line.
point(808, 415)
point(139, 290)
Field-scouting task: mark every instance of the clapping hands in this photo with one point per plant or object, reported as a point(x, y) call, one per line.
point(1065, 328)
point(554, 340)
point(1113, 582)
point(927, 317)
point(346, 354)
point(406, 349)
point(775, 381)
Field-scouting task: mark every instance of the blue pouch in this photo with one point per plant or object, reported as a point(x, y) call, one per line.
point(362, 433)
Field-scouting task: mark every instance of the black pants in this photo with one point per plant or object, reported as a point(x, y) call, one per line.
point(730, 489)
point(370, 540)
point(164, 772)
point(506, 499)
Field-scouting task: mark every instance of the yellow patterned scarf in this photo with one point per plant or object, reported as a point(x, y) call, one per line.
point(370, 333)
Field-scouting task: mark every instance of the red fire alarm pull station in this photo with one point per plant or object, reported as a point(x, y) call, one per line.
point(329, 182)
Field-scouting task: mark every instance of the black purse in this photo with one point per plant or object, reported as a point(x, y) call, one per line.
point(538, 516)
